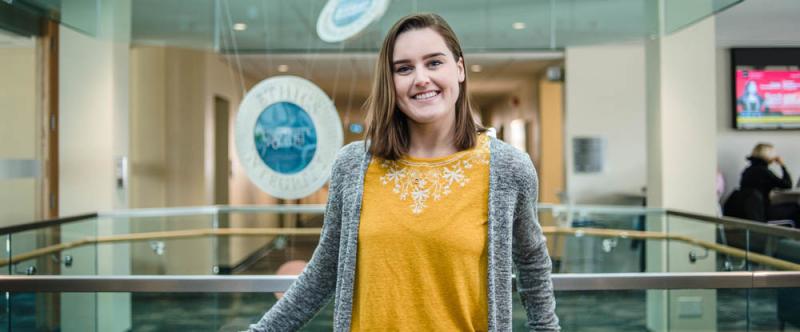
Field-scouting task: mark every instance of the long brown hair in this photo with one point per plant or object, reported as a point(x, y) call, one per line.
point(387, 126)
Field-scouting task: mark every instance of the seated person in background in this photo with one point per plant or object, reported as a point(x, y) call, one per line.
point(758, 176)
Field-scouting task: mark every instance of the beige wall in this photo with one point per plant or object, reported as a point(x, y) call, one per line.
point(86, 168)
point(681, 147)
point(19, 132)
point(605, 99)
point(172, 151)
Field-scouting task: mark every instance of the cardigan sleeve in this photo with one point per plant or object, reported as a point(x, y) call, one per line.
point(316, 284)
point(530, 255)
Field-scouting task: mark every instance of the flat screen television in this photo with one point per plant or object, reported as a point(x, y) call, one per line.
point(765, 88)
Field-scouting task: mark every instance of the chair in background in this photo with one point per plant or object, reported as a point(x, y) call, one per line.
point(748, 203)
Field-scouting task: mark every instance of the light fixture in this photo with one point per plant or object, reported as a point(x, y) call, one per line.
point(239, 26)
point(476, 68)
point(518, 25)
point(283, 68)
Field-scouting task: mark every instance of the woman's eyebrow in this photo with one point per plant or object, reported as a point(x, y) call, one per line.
point(431, 55)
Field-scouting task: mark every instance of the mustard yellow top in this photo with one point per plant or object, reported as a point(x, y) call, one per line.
point(422, 244)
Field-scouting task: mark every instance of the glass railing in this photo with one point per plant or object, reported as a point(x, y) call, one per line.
point(731, 244)
point(259, 240)
point(599, 253)
point(597, 239)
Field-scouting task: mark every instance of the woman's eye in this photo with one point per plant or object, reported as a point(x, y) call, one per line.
point(434, 63)
point(402, 70)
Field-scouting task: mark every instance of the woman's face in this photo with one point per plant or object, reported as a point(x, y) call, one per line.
point(426, 77)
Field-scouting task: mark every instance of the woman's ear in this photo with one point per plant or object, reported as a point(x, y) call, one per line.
point(461, 74)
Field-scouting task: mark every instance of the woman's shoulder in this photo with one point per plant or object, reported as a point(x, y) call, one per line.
point(350, 156)
point(508, 154)
point(512, 163)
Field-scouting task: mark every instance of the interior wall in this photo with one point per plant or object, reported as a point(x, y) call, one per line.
point(605, 98)
point(734, 145)
point(148, 128)
point(19, 132)
point(85, 136)
point(87, 90)
point(681, 166)
point(172, 150)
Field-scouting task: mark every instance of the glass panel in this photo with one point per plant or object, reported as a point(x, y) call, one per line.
point(148, 312)
point(732, 310)
point(733, 256)
point(774, 252)
point(37, 252)
point(80, 259)
point(161, 245)
point(734, 247)
point(682, 13)
point(766, 302)
point(264, 253)
point(81, 15)
point(5, 254)
point(481, 25)
point(581, 22)
point(281, 26)
point(693, 247)
point(587, 240)
point(626, 310)
point(211, 312)
point(594, 311)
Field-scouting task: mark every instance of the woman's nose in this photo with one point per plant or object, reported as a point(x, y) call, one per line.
point(421, 78)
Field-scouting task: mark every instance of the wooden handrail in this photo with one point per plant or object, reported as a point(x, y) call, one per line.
point(550, 230)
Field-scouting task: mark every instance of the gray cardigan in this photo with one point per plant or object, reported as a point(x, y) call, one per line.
point(515, 238)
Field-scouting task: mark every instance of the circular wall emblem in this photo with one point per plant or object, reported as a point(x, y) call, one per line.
point(342, 19)
point(287, 136)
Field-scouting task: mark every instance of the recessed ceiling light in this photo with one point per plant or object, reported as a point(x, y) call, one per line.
point(240, 26)
point(476, 68)
point(283, 68)
point(518, 25)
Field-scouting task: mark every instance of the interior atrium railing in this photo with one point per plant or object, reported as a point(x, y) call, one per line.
point(611, 267)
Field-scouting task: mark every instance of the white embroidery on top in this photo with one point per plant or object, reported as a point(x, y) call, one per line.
point(423, 180)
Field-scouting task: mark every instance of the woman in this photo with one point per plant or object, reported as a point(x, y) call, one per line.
point(758, 177)
point(751, 100)
point(426, 219)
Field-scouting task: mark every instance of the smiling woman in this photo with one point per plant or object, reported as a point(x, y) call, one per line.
point(420, 76)
point(428, 215)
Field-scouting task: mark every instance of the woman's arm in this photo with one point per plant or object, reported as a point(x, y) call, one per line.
point(531, 258)
point(314, 287)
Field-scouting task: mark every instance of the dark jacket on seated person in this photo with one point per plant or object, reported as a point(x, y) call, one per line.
point(758, 176)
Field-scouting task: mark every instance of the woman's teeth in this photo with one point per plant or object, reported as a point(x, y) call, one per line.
point(427, 95)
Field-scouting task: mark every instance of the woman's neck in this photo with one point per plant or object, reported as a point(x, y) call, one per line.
point(431, 140)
